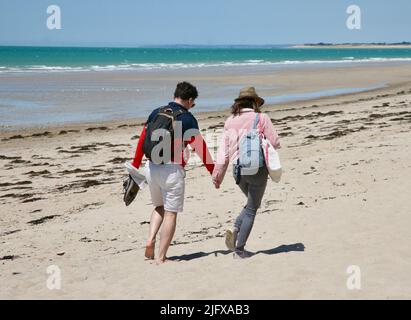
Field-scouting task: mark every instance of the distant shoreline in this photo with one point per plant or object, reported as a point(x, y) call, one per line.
point(402, 45)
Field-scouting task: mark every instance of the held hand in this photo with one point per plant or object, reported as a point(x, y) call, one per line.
point(216, 183)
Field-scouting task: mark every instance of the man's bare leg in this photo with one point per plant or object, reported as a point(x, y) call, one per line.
point(155, 223)
point(166, 235)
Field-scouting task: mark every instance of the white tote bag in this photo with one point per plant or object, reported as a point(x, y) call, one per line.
point(138, 177)
point(272, 160)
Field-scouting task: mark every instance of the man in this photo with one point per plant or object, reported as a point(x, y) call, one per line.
point(164, 170)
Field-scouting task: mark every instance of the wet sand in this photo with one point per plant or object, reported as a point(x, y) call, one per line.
point(43, 100)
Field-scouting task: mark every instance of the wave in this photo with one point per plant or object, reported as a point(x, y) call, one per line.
point(176, 66)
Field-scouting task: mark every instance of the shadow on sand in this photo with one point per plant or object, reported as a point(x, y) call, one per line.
point(296, 247)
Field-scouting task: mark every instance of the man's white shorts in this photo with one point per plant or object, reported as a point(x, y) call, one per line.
point(167, 184)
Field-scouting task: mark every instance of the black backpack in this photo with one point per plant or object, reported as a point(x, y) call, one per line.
point(165, 119)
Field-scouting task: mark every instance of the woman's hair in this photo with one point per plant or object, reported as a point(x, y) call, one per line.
point(244, 103)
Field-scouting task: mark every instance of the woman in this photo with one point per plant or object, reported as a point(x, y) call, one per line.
point(241, 122)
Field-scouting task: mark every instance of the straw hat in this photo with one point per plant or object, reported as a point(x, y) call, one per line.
point(250, 93)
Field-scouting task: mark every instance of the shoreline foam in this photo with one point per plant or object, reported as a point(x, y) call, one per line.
point(38, 69)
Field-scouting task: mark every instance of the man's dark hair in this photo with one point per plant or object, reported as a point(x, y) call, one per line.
point(185, 91)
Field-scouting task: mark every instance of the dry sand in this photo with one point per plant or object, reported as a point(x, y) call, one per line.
point(343, 201)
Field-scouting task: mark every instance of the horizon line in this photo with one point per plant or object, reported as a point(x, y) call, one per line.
point(208, 45)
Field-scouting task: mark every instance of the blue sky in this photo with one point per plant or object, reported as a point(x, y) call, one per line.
point(209, 22)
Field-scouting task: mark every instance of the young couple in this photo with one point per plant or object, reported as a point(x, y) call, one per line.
point(166, 177)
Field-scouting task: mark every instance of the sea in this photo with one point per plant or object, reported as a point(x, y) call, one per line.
point(58, 59)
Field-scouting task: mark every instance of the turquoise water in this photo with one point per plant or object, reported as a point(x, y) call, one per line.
point(21, 59)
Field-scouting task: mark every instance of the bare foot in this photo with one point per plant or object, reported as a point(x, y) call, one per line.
point(150, 248)
point(162, 261)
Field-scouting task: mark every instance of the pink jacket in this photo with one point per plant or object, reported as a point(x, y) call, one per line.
point(234, 129)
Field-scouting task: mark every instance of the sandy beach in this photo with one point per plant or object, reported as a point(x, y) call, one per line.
point(343, 201)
